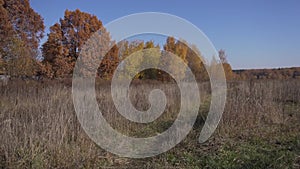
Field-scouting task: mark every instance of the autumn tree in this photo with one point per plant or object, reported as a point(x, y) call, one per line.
point(26, 23)
point(109, 63)
point(191, 55)
point(151, 56)
point(6, 30)
point(170, 44)
point(197, 63)
point(134, 49)
point(178, 48)
point(2, 65)
point(57, 61)
point(21, 29)
point(66, 40)
point(226, 66)
point(21, 63)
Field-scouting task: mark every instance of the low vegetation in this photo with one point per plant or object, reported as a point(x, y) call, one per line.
point(259, 129)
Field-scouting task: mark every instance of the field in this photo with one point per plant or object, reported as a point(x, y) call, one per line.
point(259, 128)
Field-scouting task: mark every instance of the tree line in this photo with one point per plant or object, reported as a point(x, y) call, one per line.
point(21, 30)
point(279, 73)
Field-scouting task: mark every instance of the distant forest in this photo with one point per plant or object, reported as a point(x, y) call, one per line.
point(279, 73)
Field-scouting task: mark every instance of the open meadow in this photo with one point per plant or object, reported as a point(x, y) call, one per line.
point(259, 128)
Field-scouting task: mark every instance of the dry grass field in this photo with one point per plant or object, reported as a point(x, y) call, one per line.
point(259, 128)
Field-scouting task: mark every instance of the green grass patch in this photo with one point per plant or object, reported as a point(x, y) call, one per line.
point(254, 153)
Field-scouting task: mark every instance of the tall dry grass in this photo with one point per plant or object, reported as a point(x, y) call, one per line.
point(257, 103)
point(39, 128)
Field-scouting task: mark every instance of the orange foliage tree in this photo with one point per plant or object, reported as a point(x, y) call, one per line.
point(21, 29)
point(66, 40)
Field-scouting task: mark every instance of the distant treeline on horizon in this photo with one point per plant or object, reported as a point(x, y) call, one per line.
point(276, 73)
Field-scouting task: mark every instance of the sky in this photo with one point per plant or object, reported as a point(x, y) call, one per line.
point(254, 33)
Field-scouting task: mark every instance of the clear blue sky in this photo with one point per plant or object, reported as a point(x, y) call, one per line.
point(254, 33)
